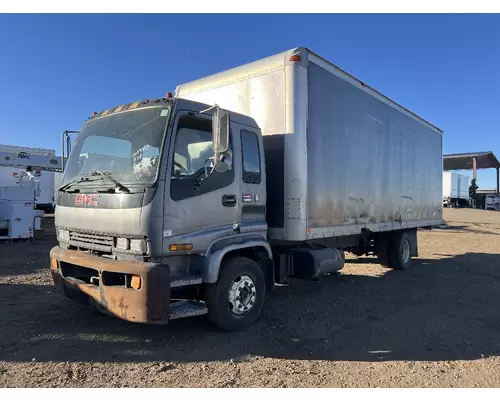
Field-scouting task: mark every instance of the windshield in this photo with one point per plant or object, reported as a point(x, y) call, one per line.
point(125, 145)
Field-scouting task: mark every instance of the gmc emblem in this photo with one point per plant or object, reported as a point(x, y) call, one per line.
point(87, 199)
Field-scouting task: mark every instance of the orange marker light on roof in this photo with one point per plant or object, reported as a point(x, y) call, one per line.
point(295, 58)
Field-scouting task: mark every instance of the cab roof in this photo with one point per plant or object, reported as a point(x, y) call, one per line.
point(131, 106)
point(179, 104)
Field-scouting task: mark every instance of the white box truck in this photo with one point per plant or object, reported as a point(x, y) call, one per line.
point(239, 181)
point(455, 190)
point(44, 199)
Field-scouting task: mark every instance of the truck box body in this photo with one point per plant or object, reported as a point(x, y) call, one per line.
point(339, 155)
point(46, 177)
point(455, 186)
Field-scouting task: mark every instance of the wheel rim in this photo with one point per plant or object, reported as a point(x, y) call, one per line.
point(242, 295)
point(405, 251)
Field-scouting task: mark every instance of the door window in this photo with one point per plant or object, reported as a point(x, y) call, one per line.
point(192, 172)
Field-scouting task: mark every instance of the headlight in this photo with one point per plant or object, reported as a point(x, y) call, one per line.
point(134, 245)
point(122, 243)
point(63, 235)
point(138, 245)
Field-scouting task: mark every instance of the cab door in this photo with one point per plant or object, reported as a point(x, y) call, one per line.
point(201, 204)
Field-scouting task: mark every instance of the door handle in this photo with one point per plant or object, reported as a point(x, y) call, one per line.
point(229, 200)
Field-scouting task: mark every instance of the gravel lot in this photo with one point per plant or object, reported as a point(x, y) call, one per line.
point(437, 325)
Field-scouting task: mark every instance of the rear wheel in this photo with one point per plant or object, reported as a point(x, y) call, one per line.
point(399, 251)
point(235, 301)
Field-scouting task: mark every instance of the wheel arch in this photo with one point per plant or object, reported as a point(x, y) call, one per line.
point(252, 247)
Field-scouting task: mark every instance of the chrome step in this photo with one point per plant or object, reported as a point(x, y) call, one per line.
point(187, 308)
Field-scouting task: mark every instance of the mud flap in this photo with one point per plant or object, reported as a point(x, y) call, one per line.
point(412, 233)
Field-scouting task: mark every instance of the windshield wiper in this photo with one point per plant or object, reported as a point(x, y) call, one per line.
point(73, 182)
point(108, 176)
point(87, 176)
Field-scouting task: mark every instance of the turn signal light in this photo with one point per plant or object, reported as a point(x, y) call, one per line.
point(181, 247)
point(135, 282)
point(53, 263)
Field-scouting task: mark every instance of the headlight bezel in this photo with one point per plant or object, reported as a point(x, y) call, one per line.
point(138, 246)
point(131, 245)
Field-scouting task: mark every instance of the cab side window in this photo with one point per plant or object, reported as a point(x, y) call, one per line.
point(193, 160)
point(251, 157)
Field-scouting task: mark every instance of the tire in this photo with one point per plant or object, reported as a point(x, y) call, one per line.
point(399, 251)
point(381, 249)
point(226, 307)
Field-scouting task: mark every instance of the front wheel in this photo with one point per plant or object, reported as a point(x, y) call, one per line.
point(235, 301)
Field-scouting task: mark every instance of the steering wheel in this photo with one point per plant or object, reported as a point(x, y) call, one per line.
point(181, 167)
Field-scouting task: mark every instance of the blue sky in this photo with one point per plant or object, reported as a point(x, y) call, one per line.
point(55, 70)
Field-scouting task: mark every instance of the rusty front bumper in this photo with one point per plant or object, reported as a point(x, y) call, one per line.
point(147, 304)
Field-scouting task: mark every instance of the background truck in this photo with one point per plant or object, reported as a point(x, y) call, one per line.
point(492, 202)
point(44, 199)
point(455, 190)
point(19, 218)
point(239, 181)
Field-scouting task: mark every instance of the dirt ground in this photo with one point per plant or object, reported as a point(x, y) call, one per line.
point(436, 325)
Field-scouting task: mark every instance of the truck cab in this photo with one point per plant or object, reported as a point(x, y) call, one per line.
point(156, 198)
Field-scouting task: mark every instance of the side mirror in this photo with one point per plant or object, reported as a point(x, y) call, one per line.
point(220, 126)
point(220, 138)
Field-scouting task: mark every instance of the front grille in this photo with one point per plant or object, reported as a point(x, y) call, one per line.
point(91, 241)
